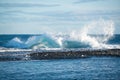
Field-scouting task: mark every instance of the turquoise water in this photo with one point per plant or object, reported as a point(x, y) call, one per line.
point(23, 41)
point(100, 68)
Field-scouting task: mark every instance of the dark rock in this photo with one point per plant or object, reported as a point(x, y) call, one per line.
point(74, 54)
point(58, 54)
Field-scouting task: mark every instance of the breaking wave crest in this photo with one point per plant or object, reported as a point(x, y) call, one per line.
point(84, 38)
point(106, 28)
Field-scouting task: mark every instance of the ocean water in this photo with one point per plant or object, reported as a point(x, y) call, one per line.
point(91, 68)
point(97, 34)
point(56, 41)
point(94, 68)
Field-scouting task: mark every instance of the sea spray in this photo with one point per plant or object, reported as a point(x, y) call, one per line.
point(104, 27)
point(97, 34)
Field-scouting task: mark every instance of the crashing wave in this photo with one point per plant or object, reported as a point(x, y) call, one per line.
point(76, 39)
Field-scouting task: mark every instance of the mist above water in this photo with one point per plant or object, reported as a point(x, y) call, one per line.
point(102, 27)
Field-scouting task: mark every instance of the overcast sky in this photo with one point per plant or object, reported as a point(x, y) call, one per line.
point(41, 16)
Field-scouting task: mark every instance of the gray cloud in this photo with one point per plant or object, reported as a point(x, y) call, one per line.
point(27, 5)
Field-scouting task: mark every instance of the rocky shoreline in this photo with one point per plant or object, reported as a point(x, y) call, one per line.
point(58, 54)
point(74, 54)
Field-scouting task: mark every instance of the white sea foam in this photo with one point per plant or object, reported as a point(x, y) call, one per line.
point(2, 49)
point(104, 27)
point(76, 39)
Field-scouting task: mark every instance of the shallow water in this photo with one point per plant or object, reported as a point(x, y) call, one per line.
point(100, 68)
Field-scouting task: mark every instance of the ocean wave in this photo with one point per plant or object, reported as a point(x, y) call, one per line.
point(75, 39)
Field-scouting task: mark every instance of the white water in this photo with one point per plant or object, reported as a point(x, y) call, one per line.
point(82, 37)
point(104, 27)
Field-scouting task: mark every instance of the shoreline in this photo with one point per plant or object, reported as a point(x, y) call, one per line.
point(74, 54)
point(57, 54)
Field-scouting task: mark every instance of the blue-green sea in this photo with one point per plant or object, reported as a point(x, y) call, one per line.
point(94, 68)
